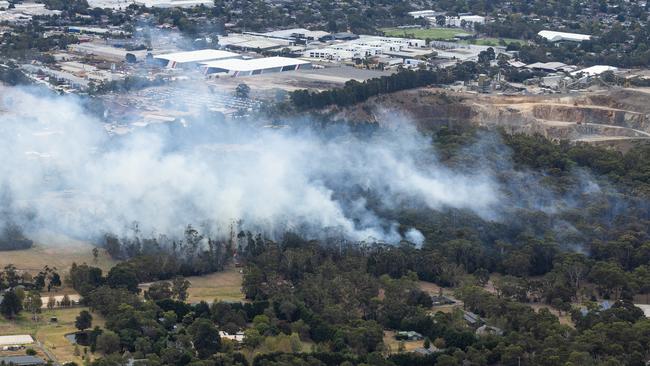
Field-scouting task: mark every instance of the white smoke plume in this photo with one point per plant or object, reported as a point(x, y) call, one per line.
point(63, 172)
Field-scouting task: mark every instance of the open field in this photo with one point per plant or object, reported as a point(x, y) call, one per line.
point(393, 344)
point(266, 85)
point(446, 34)
point(224, 286)
point(434, 289)
point(60, 254)
point(279, 343)
point(55, 251)
point(51, 335)
point(490, 41)
point(221, 286)
point(439, 34)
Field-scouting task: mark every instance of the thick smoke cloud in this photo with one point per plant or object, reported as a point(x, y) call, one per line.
point(61, 171)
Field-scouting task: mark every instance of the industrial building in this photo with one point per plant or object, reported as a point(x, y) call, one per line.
point(550, 66)
point(24, 12)
point(174, 3)
point(239, 67)
point(193, 58)
point(21, 361)
point(341, 36)
point(595, 70)
point(115, 32)
point(32, 8)
point(464, 21)
point(110, 4)
point(335, 54)
point(13, 340)
point(366, 46)
point(107, 52)
point(424, 14)
point(554, 36)
point(391, 43)
point(461, 52)
point(251, 42)
point(645, 308)
point(294, 34)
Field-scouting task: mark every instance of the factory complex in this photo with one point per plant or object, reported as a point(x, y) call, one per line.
point(239, 67)
point(368, 46)
point(108, 55)
point(192, 58)
point(123, 4)
point(111, 58)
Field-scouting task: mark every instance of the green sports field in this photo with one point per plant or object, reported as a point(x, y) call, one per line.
point(423, 33)
point(445, 34)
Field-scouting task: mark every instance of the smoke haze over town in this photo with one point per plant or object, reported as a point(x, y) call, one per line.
point(61, 171)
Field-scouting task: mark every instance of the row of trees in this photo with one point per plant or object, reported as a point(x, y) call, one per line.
point(85, 279)
point(161, 258)
point(48, 278)
point(14, 301)
point(354, 91)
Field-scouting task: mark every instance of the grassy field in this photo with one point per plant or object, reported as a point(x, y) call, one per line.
point(279, 343)
point(423, 33)
point(51, 335)
point(446, 34)
point(393, 344)
point(56, 252)
point(224, 285)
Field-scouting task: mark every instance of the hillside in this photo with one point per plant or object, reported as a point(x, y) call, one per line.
point(613, 117)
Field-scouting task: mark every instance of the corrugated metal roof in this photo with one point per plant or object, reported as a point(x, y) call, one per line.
point(197, 56)
point(21, 360)
point(11, 340)
point(554, 36)
point(645, 308)
point(255, 64)
point(547, 65)
point(290, 32)
point(595, 70)
point(252, 42)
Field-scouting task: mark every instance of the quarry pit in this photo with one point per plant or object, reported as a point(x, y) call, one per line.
point(614, 117)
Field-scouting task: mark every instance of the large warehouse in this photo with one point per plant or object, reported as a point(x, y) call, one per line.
point(193, 58)
point(250, 42)
point(174, 3)
point(366, 46)
point(235, 67)
point(554, 36)
point(16, 340)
